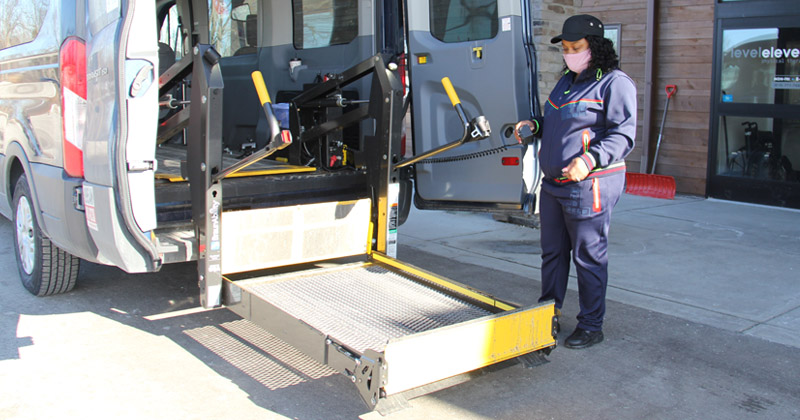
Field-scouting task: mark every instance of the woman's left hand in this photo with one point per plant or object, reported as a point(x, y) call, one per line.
point(576, 170)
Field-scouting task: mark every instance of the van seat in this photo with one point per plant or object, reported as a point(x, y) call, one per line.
point(251, 36)
point(166, 57)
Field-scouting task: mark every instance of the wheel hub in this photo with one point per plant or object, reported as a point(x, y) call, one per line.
point(26, 243)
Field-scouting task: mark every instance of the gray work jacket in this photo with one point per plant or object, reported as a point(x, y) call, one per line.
point(594, 118)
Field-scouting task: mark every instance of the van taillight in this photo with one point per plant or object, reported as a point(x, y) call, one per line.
point(73, 103)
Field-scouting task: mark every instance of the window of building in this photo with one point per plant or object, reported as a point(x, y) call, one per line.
point(321, 23)
point(613, 31)
point(761, 66)
point(463, 20)
point(759, 147)
point(759, 76)
point(754, 143)
point(21, 21)
point(233, 26)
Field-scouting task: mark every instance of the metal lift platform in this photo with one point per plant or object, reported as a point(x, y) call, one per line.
point(388, 326)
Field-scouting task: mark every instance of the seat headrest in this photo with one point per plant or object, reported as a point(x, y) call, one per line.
point(251, 30)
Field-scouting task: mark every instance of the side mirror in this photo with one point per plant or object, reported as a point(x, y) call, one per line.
point(240, 12)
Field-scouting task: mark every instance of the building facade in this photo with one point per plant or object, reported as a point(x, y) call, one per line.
point(732, 129)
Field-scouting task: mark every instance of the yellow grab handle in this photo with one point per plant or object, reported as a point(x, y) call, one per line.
point(261, 88)
point(451, 92)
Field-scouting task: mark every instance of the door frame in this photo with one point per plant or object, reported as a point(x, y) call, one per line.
point(735, 15)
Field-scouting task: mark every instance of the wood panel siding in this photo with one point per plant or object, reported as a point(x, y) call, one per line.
point(683, 57)
point(631, 15)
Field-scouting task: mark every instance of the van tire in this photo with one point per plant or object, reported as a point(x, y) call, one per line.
point(44, 268)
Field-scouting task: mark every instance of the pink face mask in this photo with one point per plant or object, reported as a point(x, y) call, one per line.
point(578, 62)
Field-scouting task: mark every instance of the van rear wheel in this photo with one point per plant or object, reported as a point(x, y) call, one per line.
point(44, 268)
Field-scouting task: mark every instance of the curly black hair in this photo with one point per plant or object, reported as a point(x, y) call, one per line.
point(603, 55)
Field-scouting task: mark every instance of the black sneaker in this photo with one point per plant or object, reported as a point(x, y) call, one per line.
point(581, 339)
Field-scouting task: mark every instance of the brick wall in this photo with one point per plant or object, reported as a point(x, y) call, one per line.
point(548, 17)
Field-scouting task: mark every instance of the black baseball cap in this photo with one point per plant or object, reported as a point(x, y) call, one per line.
point(578, 27)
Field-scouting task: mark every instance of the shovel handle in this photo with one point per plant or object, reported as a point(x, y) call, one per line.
point(671, 89)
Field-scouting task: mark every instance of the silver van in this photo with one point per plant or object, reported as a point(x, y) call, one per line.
point(123, 122)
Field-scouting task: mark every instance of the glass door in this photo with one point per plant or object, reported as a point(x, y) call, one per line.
point(755, 148)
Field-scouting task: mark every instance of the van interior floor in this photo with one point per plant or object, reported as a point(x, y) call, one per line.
point(265, 183)
point(170, 156)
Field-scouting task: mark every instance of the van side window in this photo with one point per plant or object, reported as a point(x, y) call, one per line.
point(20, 21)
point(233, 30)
point(463, 20)
point(320, 23)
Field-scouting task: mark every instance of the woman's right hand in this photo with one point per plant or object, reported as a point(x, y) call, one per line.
point(531, 125)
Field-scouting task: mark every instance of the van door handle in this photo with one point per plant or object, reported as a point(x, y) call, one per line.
point(141, 165)
point(139, 81)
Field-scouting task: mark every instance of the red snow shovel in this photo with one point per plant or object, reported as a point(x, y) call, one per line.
point(651, 185)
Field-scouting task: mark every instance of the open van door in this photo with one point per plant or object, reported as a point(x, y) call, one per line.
point(120, 132)
point(485, 48)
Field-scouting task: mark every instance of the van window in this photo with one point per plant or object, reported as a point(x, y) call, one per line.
point(21, 21)
point(320, 23)
point(463, 20)
point(233, 26)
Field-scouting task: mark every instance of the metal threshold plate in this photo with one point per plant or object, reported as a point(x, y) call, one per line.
point(364, 305)
point(169, 165)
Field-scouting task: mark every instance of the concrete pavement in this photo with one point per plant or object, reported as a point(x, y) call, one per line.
point(702, 320)
point(727, 265)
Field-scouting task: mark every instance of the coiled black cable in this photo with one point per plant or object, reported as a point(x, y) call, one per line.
point(468, 156)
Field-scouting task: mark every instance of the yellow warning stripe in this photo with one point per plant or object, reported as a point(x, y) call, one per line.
point(276, 171)
point(419, 359)
point(170, 178)
point(370, 232)
point(458, 288)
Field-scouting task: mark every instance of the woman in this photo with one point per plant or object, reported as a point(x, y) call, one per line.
point(587, 130)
